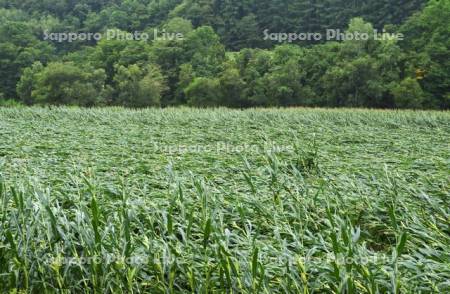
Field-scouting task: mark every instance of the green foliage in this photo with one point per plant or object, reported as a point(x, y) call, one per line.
point(283, 83)
point(232, 88)
point(186, 76)
point(9, 102)
point(27, 83)
point(240, 23)
point(203, 92)
point(351, 73)
point(62, 84)
point(139, 87)
point(408, 94)
point(107, 55)
point(204, 51)
point(258, 201)
point(353, 83)
point(428, 47)
point(19, 48)
point(179, 25)
point(244, 33)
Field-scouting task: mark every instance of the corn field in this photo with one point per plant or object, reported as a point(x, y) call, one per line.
point(224, 201)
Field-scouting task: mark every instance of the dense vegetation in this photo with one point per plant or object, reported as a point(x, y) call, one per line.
point(224, 201)
point(223, 58)
point(128, 198)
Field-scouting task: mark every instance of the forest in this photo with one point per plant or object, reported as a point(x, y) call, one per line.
point(223, 58)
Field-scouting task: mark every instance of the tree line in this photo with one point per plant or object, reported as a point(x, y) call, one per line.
point(223, 59)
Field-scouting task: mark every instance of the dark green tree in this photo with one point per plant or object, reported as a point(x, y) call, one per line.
point(62, 84)
point(203, 92)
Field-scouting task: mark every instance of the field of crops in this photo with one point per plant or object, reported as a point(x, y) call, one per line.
point(257, 201)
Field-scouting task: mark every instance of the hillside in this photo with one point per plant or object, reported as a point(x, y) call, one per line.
point(224, 56)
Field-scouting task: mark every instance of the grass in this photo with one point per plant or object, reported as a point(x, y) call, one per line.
point(257, 201)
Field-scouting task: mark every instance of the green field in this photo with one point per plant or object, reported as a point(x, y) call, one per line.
point(257, 201)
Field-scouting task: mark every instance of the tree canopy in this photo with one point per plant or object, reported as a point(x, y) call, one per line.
point(223, 58)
